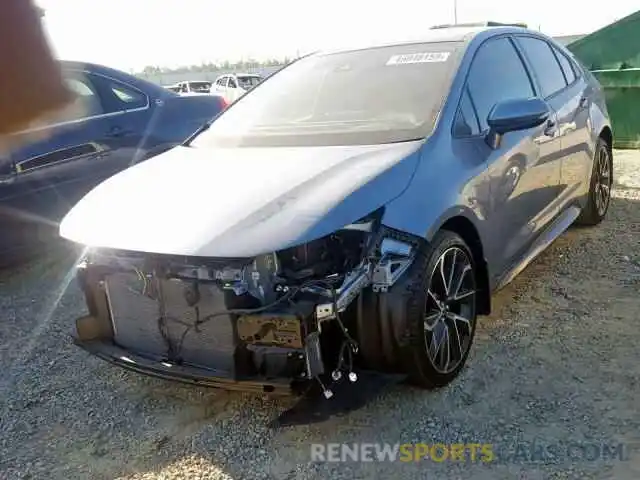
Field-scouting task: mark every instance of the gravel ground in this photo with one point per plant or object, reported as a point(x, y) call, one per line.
point(556, 362)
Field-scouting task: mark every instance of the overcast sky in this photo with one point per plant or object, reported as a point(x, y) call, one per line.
point(130, 34)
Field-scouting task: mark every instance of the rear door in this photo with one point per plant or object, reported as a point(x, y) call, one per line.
point(130, 119)
point(52, 173)
point(566, 94)
point(523, 174)
point(574, 121)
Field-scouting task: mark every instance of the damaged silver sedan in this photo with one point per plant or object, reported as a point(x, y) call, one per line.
point(353, 212)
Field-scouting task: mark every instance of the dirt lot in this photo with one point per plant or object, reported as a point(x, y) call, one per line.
point(557, 362)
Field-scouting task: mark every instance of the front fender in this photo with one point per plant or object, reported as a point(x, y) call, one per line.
point(453, 212)
point(442, 188)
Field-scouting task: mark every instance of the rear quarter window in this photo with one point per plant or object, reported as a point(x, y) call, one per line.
point(566, 65)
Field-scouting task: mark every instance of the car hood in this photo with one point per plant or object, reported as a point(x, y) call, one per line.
point(239, 202)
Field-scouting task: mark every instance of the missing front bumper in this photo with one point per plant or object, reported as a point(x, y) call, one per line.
point(169, 318)
point(122, 328)
point(184, 373)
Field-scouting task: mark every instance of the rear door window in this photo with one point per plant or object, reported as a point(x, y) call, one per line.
point(129, 97)
point(545, 65)
point(88, 102)
point(117, 96)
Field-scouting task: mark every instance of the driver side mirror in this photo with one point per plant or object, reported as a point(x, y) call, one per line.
point(515, 115)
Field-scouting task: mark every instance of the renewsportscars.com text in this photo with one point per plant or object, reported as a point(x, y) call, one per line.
point(519, 452)
point(406, 452)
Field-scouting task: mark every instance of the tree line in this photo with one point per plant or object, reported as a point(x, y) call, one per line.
point(225, 66)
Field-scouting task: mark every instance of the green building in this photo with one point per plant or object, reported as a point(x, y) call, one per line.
point(613, 55)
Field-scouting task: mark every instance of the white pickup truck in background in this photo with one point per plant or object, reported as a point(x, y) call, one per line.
point(233, 86)
point(191, 87)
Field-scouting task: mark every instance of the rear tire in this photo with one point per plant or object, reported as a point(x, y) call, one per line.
point(599, 196)
point(441, 311)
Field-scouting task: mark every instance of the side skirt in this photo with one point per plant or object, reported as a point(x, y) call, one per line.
point(546, 238)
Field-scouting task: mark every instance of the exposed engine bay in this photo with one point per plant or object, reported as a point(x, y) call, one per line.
point(288, 315)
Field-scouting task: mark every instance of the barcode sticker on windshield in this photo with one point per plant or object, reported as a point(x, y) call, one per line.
point(427, 57)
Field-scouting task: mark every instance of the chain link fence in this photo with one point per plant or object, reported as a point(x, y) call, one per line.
point(170, 78)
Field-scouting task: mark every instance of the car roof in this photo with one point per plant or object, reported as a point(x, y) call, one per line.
point(142, 84)
point(241, 74)
point(463, 34)
point(91, 67)
point(191, 81)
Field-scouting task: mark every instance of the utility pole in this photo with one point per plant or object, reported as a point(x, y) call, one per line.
point(455, 12)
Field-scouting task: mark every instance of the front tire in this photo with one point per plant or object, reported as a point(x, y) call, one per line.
point(441, 311)
point(599, 195)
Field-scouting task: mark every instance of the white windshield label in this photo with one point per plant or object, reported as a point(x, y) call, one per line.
point(427, 57)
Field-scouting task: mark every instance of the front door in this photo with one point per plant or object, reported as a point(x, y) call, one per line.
point(130, 121)
point(523, 173)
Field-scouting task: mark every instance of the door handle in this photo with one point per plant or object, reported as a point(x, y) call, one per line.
point(116, 132)
point(550, 128)
point(584, 102)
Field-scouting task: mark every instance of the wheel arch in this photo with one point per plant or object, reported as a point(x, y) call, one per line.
point(606, 134)
point(462, 226)
point(381, 321)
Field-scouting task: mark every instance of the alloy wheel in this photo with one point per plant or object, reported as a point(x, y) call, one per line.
point(603, 181)
point(450, 310)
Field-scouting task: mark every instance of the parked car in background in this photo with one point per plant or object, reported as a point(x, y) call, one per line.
point(233, 86)
point(191, 87)
point(315, 227)
point(121, 120)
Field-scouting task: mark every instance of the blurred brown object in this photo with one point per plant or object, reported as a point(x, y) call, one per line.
point(31, 87)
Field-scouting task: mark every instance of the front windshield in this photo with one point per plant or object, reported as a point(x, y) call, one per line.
point(378, 95)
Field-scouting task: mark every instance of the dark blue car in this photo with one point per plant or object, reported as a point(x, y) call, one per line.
point(356, 209)
point(121, 120)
